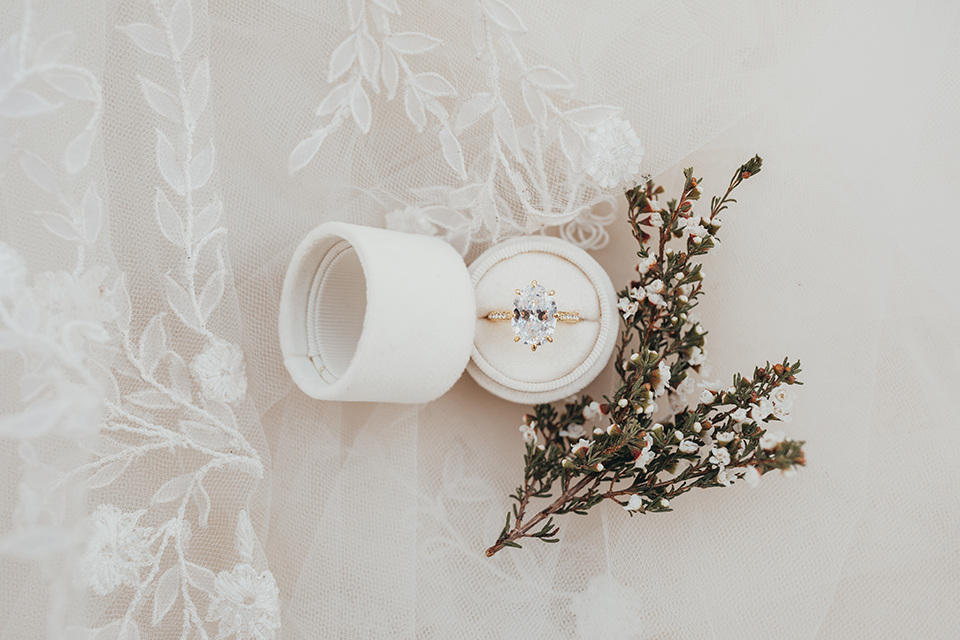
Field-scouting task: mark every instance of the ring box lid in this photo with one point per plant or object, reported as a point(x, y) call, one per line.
point(373, 315)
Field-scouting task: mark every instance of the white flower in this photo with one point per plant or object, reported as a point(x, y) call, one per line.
point(740, 415)
point(116, 550)
point(752, 477)
point(689, 446)
point(581, 446)
point(725, 437)
point(246, 604)
point(780, 414)
point(720, 457)
point(653, 291)
point(770, 440)
point(528, 432)
point(664, 370)
point(760, 411)
point(68, 299)
point(646, 264)
point(783, 397)
point(697, 357)
point(592, 410)
point(219, 370)
point(692, 227)
point(410, 220)
point(574, 430)
point(638, 294)
point(706, 397)
point(627, 307)
point(724, 478)
point(646, 455)
point(612, 153)
point(13, 270)
point(634, 504)
point(685, 388)
point(714, 386)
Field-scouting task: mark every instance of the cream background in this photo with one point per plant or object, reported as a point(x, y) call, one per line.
point(373, 517)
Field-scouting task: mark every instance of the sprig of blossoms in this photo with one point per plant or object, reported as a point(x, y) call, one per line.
point(647, 454)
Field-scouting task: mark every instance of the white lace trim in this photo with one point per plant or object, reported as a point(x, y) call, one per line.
point(506, 183)
point(78, 341)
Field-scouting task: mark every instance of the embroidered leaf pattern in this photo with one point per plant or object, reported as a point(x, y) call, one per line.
point(166, 593)
point(161, 100)
point(148, 38)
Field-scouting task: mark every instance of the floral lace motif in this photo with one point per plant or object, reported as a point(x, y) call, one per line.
point(513, 170)
point(118, 390)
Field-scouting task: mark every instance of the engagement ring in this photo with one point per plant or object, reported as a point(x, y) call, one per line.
point(534, 316)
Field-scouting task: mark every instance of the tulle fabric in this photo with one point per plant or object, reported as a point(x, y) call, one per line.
point(373, 518)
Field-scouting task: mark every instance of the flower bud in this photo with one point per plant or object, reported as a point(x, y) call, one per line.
point(568, 463)
point(697, 428)
point(598, 431)
point(622, 402)
point(598, 467)
point(664, 503)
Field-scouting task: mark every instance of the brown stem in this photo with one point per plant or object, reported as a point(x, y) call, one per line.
point(521, 531)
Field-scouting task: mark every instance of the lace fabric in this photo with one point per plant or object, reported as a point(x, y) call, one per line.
point(159, 162)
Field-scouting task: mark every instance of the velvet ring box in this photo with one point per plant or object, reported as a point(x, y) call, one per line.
point(373, 315)
point(579, 351)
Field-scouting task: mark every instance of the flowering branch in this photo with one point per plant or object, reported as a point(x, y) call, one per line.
point(641, 464)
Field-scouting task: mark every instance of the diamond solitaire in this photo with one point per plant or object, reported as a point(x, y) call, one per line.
point(534, 317)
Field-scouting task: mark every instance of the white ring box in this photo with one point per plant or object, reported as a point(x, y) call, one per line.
point(372, 315)
point(579, 351)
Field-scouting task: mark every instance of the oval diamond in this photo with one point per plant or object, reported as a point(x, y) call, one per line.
point(534, 315)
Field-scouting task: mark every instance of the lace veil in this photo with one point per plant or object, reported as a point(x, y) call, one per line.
point(160, 475)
